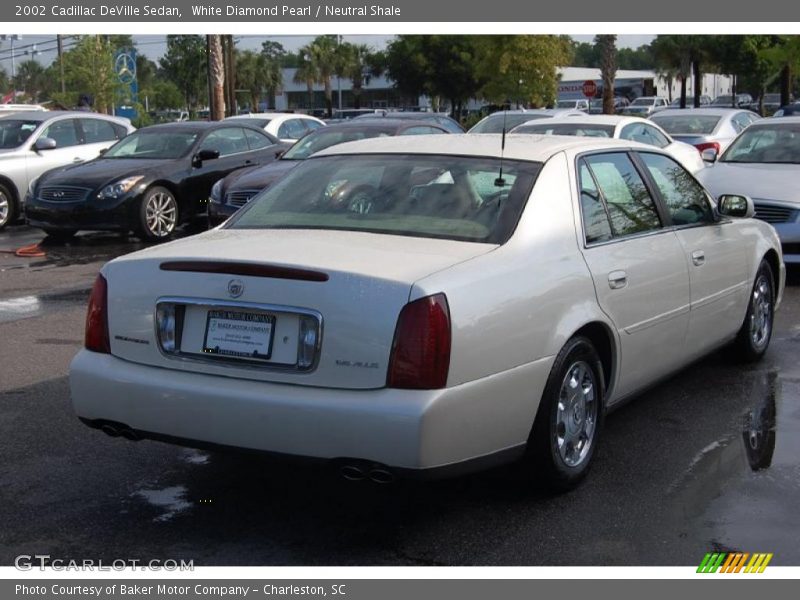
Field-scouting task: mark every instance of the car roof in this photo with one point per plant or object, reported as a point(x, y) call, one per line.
point(703, 110)
point(38, 115)
point(792, 120)
point(272, 115)
point(525, 146)
point(386, 124)
point(198, 126)
point(590, 119)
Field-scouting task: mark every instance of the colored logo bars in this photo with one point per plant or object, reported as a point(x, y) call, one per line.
point(734, 562)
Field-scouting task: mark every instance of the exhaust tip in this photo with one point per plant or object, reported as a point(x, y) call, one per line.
point(352, 473)
point(381, 476)
point(110, 430)
point(130, 434)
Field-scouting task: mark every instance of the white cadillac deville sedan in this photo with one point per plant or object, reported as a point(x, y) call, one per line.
point(430, 304)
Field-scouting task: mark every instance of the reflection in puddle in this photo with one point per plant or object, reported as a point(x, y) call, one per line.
point(758, 432)
point(171, 500)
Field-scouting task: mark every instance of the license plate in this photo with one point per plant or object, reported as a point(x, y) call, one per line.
point(239, 334)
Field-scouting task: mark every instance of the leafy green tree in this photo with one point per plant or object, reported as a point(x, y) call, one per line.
point(307, 73)
point(784, 56)
point(673, 56)
point(520, 67)
point(438, 66)
point(257, 73)
point(185, 64)
point(5, 82)
point(89, 71)
point(323, 56)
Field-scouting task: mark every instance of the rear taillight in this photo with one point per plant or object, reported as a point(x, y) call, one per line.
point(420, 358)
point(96, 338)
point(707, 145)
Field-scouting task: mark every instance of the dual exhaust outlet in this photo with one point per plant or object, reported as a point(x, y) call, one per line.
point(361, 472)
point(351, 471)
point(113, 430)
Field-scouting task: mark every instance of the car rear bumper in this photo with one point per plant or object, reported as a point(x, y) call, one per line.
point(410, 430)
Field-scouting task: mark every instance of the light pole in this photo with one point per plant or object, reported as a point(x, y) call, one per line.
point(338, 77)
point(12, 39)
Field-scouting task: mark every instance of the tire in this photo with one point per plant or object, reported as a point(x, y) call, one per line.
point(158, 214)
point(564, 436)
point(754, 336)
point(8, 207)
point(60, 235)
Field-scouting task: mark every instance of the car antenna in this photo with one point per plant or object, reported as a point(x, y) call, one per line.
point(500, 182)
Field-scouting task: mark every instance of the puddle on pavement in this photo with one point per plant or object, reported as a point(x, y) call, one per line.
point(740, 492)
point(23, 307)
point(170, 501)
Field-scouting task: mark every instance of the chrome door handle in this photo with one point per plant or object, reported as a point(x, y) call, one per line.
point(698, 258)
point(617, 279)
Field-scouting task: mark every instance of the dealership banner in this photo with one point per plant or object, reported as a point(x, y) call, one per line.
point(398, 11)
point(397, 589)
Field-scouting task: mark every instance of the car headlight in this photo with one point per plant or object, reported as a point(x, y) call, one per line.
point(216, 192)
point(123, 186)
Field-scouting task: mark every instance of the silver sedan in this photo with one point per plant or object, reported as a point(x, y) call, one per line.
point(764, 163)
point(705, 128)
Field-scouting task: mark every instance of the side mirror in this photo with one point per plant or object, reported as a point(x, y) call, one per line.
point(734, 205)
point(102, 151)
point(203, 155)
point(709, 155)
point(44, 143)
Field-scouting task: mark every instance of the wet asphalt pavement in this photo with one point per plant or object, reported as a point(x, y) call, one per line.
point(708, 460)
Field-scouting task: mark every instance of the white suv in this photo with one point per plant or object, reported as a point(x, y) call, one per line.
point(34, 142)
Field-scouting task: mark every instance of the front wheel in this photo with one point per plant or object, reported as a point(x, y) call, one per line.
point(158, 214)
point(756, 331)
point(564, 436)
point(8, 207)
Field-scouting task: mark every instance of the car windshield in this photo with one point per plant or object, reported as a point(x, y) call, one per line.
point(323, 139)
point(448, 197)
point(566, 104)
point(579, 129)
point(779, 143)
point(495, 123)
point(153, 143)
point(723, 101)
point(642, 102)
point(686, 124)
point(14, 132)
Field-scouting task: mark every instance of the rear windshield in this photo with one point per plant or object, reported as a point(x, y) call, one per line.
point(323, 138)
point(448, 197)
point(495, 123)
point(687, 124)
point(579, 129)
point(643, 102)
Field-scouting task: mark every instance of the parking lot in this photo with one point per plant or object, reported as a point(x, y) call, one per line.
point(705, 461)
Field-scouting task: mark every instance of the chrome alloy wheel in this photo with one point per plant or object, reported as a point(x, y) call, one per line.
point(5, 208)
point(161, 213)
point(761, 311)
point(576, 414)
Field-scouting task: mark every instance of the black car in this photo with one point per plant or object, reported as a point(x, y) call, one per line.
point(449, 124)
point(235, 190)
point(149, 182)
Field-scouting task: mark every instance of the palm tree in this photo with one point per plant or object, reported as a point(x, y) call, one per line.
point(307, 73)
point(325, 58)
point(31, 77)
point(673, 54)
point(355, 62)
point(216, 66)
point(607, 45)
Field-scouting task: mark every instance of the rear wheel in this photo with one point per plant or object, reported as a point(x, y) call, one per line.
point(158, 214)
point(567, 426)
point(8, 206)
point(756, 331)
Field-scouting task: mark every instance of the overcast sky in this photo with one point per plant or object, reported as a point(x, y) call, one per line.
point(154, 46)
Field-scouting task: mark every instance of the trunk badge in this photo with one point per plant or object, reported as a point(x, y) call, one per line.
point(235, 288)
